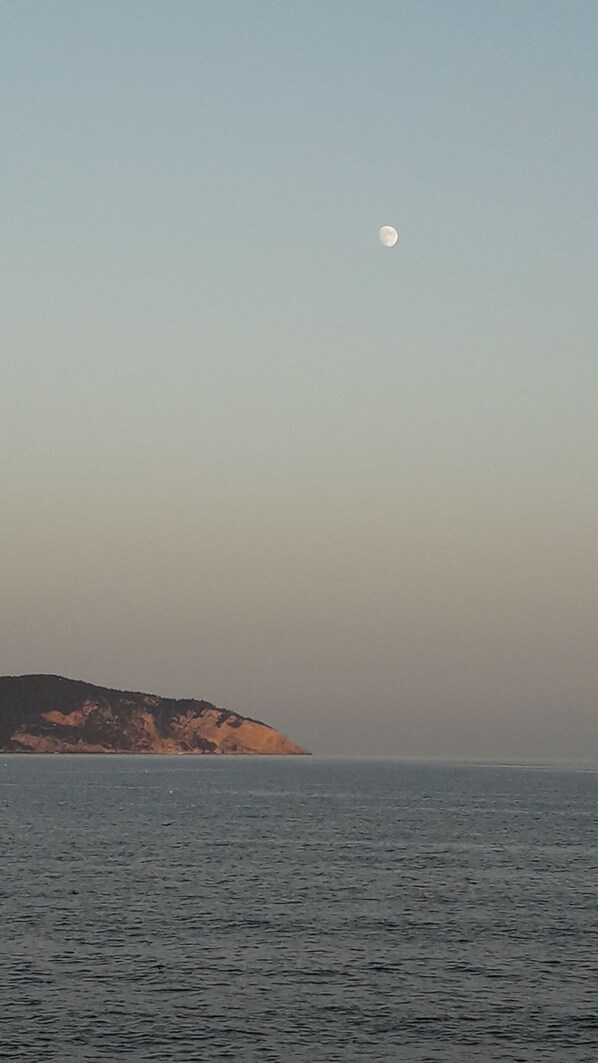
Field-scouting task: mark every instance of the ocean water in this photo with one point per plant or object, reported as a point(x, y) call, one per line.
point(296, 910)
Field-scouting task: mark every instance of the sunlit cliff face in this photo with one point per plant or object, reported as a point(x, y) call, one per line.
point(49, 714)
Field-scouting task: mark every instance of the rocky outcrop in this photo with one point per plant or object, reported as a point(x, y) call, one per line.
point(50, 714)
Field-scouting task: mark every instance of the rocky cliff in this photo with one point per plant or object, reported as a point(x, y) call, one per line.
point(50, 714)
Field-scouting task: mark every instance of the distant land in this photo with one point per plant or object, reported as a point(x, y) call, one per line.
point(51, 714)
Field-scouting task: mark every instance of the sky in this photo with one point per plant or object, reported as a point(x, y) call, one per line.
point(246, 453)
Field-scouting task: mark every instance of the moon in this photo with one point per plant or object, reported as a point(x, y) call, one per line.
point(388, 236)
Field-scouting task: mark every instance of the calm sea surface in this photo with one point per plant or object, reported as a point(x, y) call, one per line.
point(188, 910)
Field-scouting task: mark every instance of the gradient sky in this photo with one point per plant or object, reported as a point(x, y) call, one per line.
point(249, 455)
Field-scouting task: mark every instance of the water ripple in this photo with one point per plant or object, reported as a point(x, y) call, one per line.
point(274, 911)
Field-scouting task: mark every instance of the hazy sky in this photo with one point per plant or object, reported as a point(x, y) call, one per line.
point(247, 454)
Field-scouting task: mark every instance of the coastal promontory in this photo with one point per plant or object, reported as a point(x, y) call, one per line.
point(51, 714)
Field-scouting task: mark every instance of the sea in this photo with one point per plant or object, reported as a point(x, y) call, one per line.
point(296, 910)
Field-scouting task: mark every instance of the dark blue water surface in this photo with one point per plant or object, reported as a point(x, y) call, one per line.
point(296, 910)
